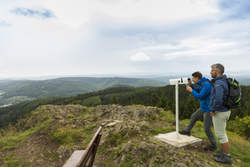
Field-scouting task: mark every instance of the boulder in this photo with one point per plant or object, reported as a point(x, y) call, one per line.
point(178, 164)
point(76, 147)
point(126, 148)
point(64, 152)
point(197, 163)
point(78, 121)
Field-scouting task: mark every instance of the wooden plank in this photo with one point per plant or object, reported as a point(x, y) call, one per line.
point(95, 150)
point(74, 159)
point(80, 157)
point(88, 150)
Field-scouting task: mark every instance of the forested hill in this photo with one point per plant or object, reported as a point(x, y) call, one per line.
point(163, 97)
point(71, 86)
point(242, 80)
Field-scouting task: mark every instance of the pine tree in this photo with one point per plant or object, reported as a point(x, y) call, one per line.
point(154, 98)
point(247, 104)
point(190, 107)
point(164, 103)
point(115, 101)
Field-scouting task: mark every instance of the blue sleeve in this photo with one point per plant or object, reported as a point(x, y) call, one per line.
point(195, 89)
point(218, 97)
point(205, 91)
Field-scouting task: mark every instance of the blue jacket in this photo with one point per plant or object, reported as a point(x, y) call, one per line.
point(203, 93)
point(219, 94)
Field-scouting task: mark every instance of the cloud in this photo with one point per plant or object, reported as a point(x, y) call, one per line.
point(107, 36)
point(36, 13)
point(234, 9)
point(165, 41)
point(140, 56)
point(129, 34)
point(152, 39)
point(115, 1)
point(109, 1)
point(1, 61)
point(5, 24)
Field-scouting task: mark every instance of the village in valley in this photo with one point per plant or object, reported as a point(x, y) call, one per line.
point(13, 100)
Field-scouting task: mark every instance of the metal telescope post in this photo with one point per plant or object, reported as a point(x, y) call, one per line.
point(176, 82)
point(177, 109)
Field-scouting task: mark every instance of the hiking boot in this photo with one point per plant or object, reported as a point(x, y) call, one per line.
point(218, 154)
point(223, 159)
point(210, 148)
point(183, 132)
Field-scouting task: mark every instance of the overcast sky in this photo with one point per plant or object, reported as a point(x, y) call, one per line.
point(80, 37)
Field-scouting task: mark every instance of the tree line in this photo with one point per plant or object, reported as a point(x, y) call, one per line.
point(163, 97)
point(67, 86)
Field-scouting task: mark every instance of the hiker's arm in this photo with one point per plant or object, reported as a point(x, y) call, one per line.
point(218, 98)
point(203, 94)
point(195, 89)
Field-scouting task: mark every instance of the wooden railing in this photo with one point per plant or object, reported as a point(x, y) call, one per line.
point(80, 158)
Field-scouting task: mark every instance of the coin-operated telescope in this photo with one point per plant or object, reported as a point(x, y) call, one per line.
point(176, 82)
point(179, 81)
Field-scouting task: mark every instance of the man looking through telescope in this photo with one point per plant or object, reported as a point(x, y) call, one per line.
point(202, 92)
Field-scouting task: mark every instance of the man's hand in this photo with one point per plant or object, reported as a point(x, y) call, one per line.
point(212, 113)
point(189, 88)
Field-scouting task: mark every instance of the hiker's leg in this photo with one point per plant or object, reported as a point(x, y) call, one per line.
point(220, 122)
point(207, 123)
point(225, 147)
point(195, 116)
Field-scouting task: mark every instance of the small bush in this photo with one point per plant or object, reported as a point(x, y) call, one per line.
point(199, 125)
point(95, 117)
point(112, 138)
point(240, 126)
point(145, 127)
point(155, 132)
point(128, 156)
point(149, 120)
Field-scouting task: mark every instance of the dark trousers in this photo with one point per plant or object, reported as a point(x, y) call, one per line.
point(207, 123)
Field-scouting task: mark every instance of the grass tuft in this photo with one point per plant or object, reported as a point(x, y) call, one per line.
point(6, 143)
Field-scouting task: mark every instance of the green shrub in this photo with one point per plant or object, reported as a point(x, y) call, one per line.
point(240, 126)
point(155, 132)
point(145, 127)
point(149, 120)
point(125, 165)
point(128, 156)
point(95, 117)
point(199, 125)
point(112, 138)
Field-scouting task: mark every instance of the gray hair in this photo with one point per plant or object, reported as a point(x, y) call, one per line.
point(218, 67)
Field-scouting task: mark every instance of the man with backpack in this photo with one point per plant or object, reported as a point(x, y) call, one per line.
point(203, 94)
point(219, 112)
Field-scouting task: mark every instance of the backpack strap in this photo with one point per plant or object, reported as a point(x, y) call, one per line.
point(204, 82)
point(218, 80)
point(202, 85)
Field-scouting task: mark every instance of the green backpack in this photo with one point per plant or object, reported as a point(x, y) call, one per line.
point(234, 96)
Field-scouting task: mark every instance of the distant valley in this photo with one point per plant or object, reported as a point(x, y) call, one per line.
point(14, 91)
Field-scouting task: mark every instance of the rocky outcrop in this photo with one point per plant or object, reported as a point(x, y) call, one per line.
point(64, 152)
point(157, 155)
point(61, 113)
point(117, 112)
point(127, 134)
point(78, 122)
point(131, 122)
